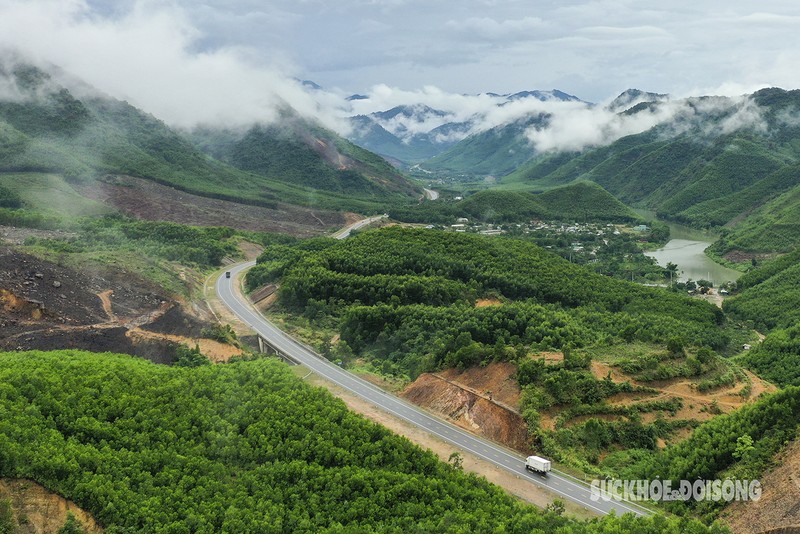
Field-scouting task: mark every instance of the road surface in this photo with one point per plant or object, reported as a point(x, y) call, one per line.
point(345, 232)
point(431, 194)
point(558, 483)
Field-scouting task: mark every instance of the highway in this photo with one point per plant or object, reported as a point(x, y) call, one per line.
point(430, 194)
point(345, 232)
point(558, 483)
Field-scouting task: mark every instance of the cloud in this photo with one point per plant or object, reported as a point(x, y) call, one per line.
point(575, 126)
point(235, 61)
point(617, 33)
point(492, 30)
point(149, 56)
point(769, 19)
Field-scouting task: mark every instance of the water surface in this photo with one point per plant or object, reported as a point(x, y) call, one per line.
point(685, 249)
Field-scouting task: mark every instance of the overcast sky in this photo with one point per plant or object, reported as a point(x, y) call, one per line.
point(151, 51)
point(589, 48)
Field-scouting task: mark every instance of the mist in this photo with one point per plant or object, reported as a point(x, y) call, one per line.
point(152, 57)
point(568, 126)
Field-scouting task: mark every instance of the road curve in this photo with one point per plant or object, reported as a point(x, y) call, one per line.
point(558, 483)
point(345, 232)
point(430, 194)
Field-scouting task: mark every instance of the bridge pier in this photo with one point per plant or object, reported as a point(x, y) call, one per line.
point(265, 347)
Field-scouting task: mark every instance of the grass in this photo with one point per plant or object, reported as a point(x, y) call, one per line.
point(162, 273)
point(52, 195)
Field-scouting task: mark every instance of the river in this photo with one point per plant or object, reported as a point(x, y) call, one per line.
point(685, 249)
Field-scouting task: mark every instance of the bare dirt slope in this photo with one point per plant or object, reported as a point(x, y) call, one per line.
point(44, 306)
point(39, 511)
point(482, 400)
point(486, 400)
point(779, 506)
point(697, 405)
point(145, 199)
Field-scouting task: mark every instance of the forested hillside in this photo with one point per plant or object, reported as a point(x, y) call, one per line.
point(410, 294)
point(296, 151)
point(739, 446)
point(577, 202)
point(719, 162)
point(769, 298)
point(496, 152)
point(244, 447)
point(46, 127)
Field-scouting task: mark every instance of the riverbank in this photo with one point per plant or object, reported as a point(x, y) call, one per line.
point(686, 248)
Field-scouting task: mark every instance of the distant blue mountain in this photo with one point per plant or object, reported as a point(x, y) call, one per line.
point(410, 134)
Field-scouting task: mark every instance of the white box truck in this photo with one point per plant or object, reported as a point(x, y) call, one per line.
point(537, 464)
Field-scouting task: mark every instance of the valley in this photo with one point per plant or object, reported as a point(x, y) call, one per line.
point(485, 285)
point(686, 249)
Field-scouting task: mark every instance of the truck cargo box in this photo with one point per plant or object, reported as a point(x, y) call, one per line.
point(537, 464)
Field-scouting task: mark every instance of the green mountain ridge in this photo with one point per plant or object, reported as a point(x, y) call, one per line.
point(580, 201)
point(296, 151)
point(729, 162)
point(497, 151)
point(46, 128)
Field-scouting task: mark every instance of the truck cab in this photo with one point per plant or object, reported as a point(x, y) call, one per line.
point(537, 464)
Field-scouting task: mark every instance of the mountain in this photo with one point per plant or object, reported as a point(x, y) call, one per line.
point(731, 162)
point(497, 151)
point(48, 124)
point(408, 149)
point(412, 134)
point(633, 97)
point(544, 96)
point(296, 151)
point(579, 201)
point(769, 295)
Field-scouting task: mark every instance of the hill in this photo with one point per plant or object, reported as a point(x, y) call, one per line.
point(769, 298)
point(496, 152)
point(242, 447)
point(415, 133)
point(390, 286)
point(738, 446)
point(716, 162)
point(296, 151)
point(51, 125)
point(579, 202)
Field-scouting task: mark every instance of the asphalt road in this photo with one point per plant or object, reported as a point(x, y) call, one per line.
point(345, 232)
point(431, 194)
point(558, 483)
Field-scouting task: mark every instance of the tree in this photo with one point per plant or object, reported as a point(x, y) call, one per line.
point(675, 345)
point(671, 271)
point(744, 444)
point(71, 526)
point(186, 357)
point(557, 507)
point(456, 460)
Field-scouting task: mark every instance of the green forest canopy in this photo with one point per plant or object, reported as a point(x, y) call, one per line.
point(242, 447)
point(412, 293)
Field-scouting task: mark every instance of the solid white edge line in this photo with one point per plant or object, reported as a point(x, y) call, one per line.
point(257, 317)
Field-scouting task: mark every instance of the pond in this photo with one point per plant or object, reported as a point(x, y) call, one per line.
point(685, 249)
